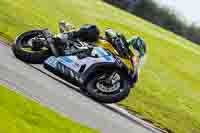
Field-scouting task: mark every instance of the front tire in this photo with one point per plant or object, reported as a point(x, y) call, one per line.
point(29, 56)
point(109, 97)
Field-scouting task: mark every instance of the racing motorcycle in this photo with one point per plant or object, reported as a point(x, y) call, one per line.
point(96, 70)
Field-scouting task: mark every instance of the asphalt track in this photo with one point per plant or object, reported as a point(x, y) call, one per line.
point(35, 82)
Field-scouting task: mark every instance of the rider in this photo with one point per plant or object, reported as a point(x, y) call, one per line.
point(131, 51)
point(91, 33)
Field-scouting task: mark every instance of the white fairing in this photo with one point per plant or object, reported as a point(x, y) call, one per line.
point(75, 63)
point(98, 55)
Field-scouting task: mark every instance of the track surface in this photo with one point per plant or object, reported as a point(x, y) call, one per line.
point(42, 87)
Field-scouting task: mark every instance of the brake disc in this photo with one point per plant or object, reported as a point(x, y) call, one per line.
point(106, 87)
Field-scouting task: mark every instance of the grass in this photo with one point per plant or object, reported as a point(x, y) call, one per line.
point(169, 88)
point(21, 115)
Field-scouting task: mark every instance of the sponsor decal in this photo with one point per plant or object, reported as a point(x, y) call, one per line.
point(103, 53)
point(67, 60)
point(51, 61)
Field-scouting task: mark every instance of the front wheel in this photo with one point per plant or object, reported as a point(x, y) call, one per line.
point(29, 47)
point(108, 86)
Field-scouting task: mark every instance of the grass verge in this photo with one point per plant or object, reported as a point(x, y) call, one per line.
point(168, 90)
point(21, 115)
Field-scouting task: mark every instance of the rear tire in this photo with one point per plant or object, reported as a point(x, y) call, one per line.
point(34, 57)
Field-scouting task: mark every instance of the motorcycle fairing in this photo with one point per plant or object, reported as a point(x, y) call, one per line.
point(72, 64)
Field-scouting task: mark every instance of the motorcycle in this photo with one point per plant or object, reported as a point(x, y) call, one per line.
point(96, 70)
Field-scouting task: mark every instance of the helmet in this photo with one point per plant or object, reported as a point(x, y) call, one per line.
point(89, 33)
point(137, 44)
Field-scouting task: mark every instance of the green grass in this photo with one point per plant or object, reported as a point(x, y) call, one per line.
point(169, 88)
point(21, 115)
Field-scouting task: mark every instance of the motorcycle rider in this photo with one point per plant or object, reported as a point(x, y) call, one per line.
point(131, 51)
point(91, 33)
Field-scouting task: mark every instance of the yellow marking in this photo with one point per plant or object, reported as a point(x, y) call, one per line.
point(105, 44)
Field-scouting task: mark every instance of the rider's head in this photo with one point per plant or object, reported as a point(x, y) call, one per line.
point(137, 44)
point(89, 33)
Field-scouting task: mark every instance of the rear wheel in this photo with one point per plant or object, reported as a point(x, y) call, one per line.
point(108, 86)
point(29, 47)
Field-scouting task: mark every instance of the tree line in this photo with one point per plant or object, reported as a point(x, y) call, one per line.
point(162, 16)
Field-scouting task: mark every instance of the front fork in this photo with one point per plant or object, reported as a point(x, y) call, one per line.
point(114, 78)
